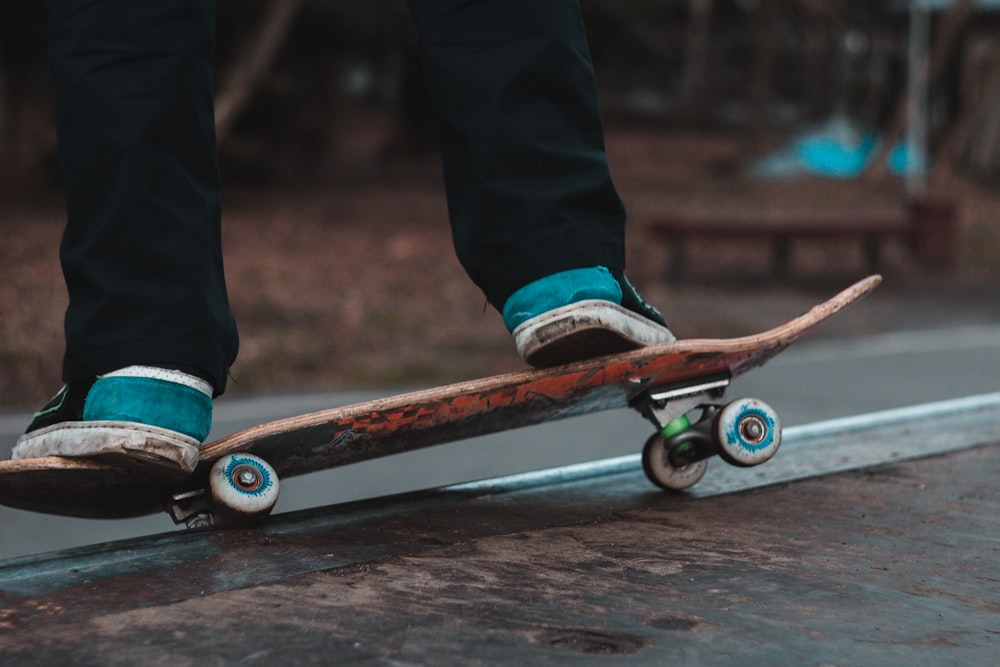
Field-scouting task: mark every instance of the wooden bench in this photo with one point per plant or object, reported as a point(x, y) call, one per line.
point(928, 227)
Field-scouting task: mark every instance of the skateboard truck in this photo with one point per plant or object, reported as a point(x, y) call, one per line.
point(191, 508)
point(662, 405)
point(745, 432)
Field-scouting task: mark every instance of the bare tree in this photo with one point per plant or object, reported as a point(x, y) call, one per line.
point(766, 49)
point(975, 136)
point(253, 63)
point(696, 49)
point(4, 112)
point(944, 43)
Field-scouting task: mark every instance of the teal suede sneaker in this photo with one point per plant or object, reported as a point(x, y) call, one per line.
point(580, 314)
point(140, 415)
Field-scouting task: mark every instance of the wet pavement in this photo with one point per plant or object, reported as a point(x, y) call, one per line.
point(868, 540)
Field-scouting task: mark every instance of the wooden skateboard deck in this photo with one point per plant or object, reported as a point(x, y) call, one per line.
point(339, 436)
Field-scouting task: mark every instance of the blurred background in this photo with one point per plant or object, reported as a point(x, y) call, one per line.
point(338, 253)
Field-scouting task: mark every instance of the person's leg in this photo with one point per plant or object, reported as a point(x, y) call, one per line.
point(530, 193)
point(141, 253)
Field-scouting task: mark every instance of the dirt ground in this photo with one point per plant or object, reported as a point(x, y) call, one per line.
point(353, 283)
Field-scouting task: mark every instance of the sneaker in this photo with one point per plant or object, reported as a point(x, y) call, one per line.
point(137, 415)
point(580, 314)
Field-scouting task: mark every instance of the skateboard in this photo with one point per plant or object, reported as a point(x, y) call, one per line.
point(677, 386)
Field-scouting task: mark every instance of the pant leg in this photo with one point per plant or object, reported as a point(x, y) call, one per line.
point(529, 190)
point(141, 253)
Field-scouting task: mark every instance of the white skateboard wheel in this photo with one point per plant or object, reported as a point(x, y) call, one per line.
point(244, 489)
point(747, 432)
point(656, 464)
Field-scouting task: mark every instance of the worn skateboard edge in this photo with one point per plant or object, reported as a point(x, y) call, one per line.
point(58, 463)
point(801, 324)
point(788, 333)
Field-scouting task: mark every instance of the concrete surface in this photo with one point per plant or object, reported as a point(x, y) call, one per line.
point(892, 560)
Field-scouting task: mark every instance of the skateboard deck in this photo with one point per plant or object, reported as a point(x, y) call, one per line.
point(677, 375)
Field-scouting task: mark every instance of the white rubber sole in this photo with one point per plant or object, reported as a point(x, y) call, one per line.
point(584, 330)
point(124, 443)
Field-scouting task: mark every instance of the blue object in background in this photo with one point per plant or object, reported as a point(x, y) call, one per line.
point(840, 148)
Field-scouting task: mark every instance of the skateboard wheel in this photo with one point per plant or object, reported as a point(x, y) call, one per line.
point(656, 464)
point(244, 489)
point(747, 432)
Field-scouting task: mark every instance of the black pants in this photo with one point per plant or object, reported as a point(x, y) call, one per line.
point(529, 192)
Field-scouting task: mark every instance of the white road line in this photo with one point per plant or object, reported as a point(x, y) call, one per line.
point(812, 450)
